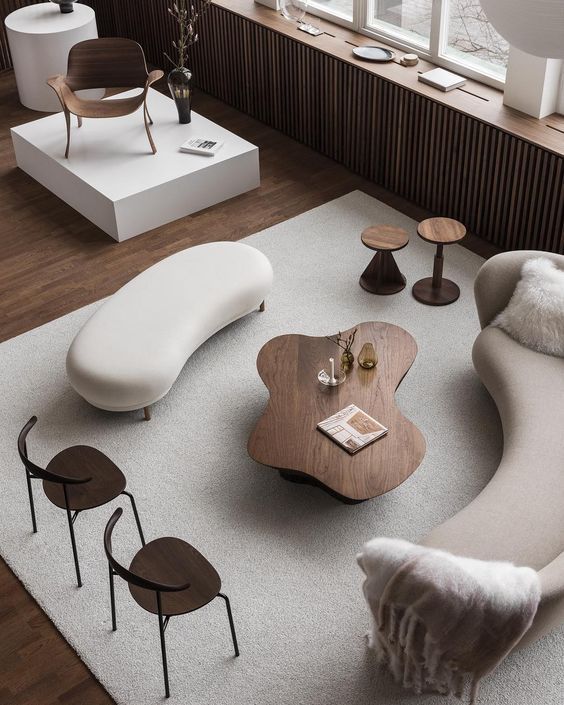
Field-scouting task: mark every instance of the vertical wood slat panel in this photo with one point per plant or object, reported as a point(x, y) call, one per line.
point(504, 189)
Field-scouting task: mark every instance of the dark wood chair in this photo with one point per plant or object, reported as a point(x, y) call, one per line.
point(167, 577)
point(76, 479)
point(104, 63)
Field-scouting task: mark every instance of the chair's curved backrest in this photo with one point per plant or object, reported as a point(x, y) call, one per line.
point(34, 469)
point(106, 63)
point(127, 574)
point(498, 277)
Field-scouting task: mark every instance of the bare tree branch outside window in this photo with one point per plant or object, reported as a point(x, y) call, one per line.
point(469, 31)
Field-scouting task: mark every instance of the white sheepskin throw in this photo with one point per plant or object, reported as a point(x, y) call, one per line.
point(535, 314)
point(441, 621)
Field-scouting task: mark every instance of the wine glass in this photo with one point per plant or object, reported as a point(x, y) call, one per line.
point(294, 9)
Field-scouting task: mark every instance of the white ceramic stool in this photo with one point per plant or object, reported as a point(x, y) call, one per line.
point(40, 37)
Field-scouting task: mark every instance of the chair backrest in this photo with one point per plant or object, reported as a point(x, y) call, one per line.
point(106, 63)
point(498, 277)
point(127, 574)
point(34, 469)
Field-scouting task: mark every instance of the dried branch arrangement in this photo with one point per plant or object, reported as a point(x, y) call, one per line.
point(344, 343)
point(187, 18)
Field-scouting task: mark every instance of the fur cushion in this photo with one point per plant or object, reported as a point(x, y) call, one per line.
point(535, 314)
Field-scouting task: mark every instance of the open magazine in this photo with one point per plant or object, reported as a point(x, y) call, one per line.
point(352, 428)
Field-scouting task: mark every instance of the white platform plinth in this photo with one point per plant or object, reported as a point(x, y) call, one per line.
point(40, 37)
point(114, 180)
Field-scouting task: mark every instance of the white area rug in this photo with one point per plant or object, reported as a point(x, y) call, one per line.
point(286, 552)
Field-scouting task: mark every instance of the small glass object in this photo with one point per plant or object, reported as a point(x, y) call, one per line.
point(180, 87)
point(347, 360)
point(368, 357)
point(310, 29)
point(294, 9)
point(331, 378)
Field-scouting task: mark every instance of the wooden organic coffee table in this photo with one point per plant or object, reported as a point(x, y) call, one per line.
point(286, 436)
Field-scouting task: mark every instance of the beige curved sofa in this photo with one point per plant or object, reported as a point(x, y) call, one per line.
point(519, 515)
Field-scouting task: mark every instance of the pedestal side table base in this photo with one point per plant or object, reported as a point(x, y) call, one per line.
point(426, 293)
point(382, 276)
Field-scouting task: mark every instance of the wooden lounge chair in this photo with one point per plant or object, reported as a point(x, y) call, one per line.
point(105, 63)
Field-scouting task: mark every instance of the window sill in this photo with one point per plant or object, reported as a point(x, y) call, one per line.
point(475, 99)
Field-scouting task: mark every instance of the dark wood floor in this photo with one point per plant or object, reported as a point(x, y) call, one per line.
point(53, 261)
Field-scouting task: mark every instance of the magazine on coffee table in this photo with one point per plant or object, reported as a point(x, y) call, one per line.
point(352, 428)
point(201, 145)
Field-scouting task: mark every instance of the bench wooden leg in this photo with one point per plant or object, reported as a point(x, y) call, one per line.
point(262, 307)
point(147, 413)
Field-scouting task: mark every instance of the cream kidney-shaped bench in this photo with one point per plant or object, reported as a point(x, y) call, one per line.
point(519, 515)
point(129, 353)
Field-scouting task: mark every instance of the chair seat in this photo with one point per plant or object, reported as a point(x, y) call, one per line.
point(173, 561)
point(108, 108)
point(106, 484)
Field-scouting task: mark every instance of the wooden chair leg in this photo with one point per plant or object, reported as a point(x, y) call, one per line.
point(147, 413)
point(68, 121)
point(145, 116)
point(148, 115)
point(79, 120)
point(262, 307)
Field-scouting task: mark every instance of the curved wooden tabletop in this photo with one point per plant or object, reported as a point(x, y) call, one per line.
point(286, 436)
point(384, 237)
point(441, 231)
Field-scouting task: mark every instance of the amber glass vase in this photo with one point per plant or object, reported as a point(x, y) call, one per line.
point(347, 361)
point(368, 357)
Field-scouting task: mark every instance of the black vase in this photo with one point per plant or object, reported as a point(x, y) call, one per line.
point(64, 5)
point(180, 87)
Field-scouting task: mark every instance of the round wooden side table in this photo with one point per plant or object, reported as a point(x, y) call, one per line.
point(436, 290)
point(382, 275)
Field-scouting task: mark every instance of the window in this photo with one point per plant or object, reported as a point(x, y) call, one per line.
point(333, 9)
point(452, 33)
point(409, 21)
point(472, 39)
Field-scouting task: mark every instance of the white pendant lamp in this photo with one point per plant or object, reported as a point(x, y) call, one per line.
point(534, 26)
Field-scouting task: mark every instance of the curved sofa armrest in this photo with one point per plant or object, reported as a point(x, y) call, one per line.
point(498, 277)
point(552, 580)
point(550, 614)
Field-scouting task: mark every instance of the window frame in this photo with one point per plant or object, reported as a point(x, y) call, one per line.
point(438, 39)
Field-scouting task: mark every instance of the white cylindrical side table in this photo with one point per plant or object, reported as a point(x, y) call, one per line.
point(40, 37)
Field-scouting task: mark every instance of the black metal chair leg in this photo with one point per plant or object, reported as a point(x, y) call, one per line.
point(163, 645)
point(112, 598)
point(73, 541)
point(231, 624)
point(134, 507)
point(31, 502)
